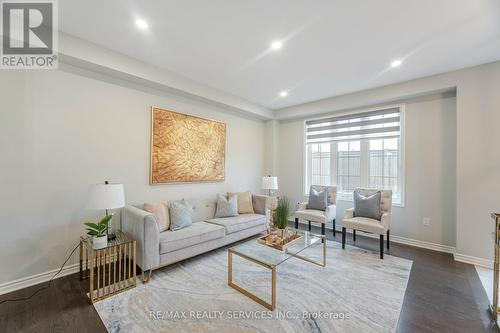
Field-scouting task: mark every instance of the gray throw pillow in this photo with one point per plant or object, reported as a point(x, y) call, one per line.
point(317, 199)
point(367, 206)
point(226, 206)
point(181, 214)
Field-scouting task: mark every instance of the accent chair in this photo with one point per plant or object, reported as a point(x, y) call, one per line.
point(315, 215)
point(380, 227)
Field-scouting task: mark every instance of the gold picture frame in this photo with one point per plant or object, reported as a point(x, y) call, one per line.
point(186, 148)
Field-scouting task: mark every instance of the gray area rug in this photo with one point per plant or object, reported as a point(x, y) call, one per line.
point(356, 292)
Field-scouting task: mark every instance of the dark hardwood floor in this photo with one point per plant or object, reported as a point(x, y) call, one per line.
point(442, 296)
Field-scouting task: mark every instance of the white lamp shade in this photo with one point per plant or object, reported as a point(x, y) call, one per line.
point(106, 196)
point(269, 183)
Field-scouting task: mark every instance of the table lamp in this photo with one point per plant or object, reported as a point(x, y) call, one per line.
point(106, 196)
point(269, 183)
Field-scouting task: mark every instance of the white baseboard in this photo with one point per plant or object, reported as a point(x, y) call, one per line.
point(37, 278)
point(473, 260)
point(405, 241)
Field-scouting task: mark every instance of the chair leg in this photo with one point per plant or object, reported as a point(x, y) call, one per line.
point(343, 237)
point(381, 246)
point(387, 239)
point(309, 225)
point(296, 223)
point(354, 235)
point(322, 228)
point(333, 227)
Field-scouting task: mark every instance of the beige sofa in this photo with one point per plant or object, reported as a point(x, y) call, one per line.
point(157, 249)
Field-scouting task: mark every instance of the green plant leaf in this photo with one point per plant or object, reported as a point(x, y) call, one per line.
point(92, 233)
point(92, 225)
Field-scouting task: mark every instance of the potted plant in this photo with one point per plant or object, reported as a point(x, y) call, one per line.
point(280, 216)
point(98, 232)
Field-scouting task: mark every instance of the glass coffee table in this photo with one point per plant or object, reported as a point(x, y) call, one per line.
point(270, 258)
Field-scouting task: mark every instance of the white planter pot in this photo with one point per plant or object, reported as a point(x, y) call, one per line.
point(99, 242)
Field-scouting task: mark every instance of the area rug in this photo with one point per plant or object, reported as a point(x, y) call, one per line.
point(356, 292)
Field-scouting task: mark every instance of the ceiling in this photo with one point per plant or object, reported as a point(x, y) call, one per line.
point(329, 47)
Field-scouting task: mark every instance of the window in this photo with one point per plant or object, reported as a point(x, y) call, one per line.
point(357, 150)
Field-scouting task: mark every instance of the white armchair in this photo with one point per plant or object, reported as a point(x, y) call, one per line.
point(318, 216)
point(369, 225)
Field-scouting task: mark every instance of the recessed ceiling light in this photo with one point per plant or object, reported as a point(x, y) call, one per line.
point(396, 63)
point(141, 24)
point(276, 45)
point(283, 94)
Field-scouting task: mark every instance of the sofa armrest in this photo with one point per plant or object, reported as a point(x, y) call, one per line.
point(262, 203)
point(331, 213)
point(349, 213)
point(385, 220)
point(300, 206)
point(142, 227)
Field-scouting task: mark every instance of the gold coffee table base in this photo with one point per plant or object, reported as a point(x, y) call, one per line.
point(271, 306)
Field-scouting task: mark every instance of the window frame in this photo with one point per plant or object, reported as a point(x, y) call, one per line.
point(364, 145)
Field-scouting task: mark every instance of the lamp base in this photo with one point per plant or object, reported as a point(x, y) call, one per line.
point(111, 237)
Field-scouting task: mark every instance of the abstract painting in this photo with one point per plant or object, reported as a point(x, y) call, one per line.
point(186, 148)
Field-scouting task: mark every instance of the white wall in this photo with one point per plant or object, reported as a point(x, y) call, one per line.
point(430, 170)
point(60, 132)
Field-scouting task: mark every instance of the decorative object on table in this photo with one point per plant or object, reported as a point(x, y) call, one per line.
point(111, 269)
point(98, 232)
point(322, 216)
point(368, 205)
point(494, 309)
point(278, 235)
point(186, 148)
point(106, 196)
point(269, 183)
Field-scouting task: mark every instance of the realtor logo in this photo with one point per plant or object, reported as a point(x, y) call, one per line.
point(29, 34)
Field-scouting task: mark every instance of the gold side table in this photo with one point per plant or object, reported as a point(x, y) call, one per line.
point(110, 270)
point(496, 267)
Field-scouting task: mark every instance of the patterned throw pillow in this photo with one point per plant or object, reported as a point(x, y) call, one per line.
point(245, 205)
point(181, 214)
point(367, 206)
point(317, 199)
point(226, 206)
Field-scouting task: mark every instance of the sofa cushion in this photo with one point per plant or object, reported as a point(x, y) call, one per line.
point(240, 222)
point(181, 214)
point(227, 206)
point(245, 205)
point(196, 233)
point(160, 212)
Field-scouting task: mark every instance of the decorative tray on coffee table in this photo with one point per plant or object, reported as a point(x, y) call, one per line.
point(277, 242)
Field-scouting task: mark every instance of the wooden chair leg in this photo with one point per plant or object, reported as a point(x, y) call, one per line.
point(354, 235)
point(309, 225)
point(387, 240)
point(296, 223)
point(381, 246)
point(343, 237)
point(333, 227)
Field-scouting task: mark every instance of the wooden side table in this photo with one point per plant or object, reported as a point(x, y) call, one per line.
point(110, 270)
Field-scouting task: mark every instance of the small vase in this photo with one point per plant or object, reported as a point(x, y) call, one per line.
point(99, 242)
